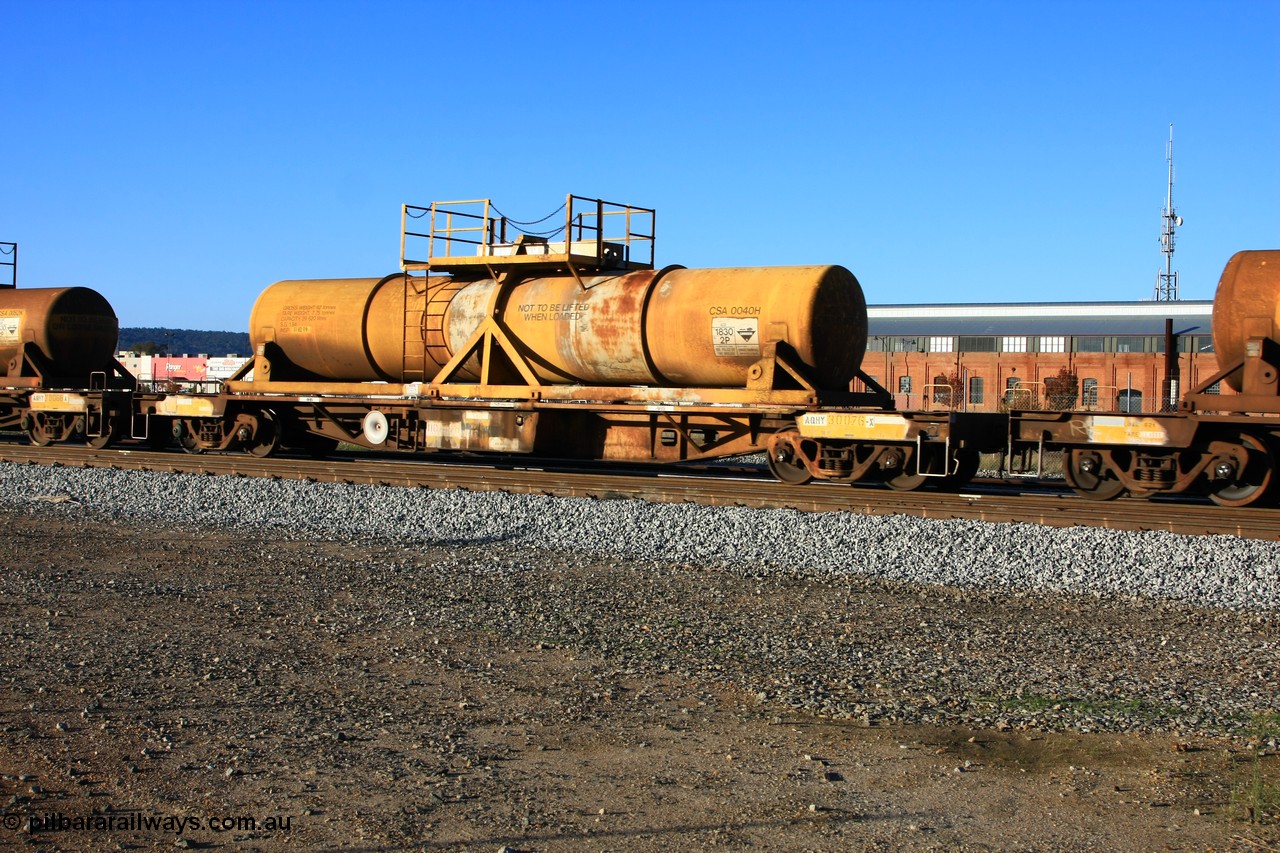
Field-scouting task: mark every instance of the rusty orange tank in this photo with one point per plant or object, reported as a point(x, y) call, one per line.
point(1246, 305)
point(74, 328)
point(673, 327)
point(348, 329)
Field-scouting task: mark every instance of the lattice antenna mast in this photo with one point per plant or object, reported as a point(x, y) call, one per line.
point(1167, 281)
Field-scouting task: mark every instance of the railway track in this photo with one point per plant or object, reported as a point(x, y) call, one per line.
point(992, 501)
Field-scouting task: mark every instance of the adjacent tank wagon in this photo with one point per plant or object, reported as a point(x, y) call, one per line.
point(1225, 445)
point(61, 380)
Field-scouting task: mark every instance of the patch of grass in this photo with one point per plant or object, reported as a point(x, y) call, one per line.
point(1031, 703)
point(1255, 790)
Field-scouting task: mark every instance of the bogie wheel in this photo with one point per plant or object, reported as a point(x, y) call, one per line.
point(159, 434)
point(111, 432)
point(1087, 474)
point(918, 471)
point(186, 436)
point(267, 440)
point(1250, 484)
point(785, 460)
point(39, 433)
point(967, 463)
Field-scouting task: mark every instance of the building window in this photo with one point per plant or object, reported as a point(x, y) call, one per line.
point(1185, 343)
point(1054, 344)
point(975, 390)
point(1018, 344)
point(1215, 388)
point(943, 391)
point(1011, 384)
point(977, 343)
point(1130, 343)
point(1091, 343)
point(1129, 401)
point(1089, 393)
point(888, 343)
point(945, 344)
point(904, 384)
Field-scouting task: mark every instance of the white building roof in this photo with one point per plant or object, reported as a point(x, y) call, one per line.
point(1041, 318)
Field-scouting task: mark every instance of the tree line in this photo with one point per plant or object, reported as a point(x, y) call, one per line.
point(147, 340)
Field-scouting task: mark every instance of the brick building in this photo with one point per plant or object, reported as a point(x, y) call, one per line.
point(983, 356)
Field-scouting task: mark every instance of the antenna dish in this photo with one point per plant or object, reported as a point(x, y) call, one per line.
point(1178, 220)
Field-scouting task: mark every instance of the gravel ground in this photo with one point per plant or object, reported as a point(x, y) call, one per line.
point(1197, 614)
point(491, 669)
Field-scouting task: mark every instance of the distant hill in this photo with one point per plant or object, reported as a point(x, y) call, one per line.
point(154, 341)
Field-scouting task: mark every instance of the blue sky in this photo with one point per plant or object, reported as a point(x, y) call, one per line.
point(181, 156)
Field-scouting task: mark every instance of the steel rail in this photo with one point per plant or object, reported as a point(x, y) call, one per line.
point(1004, 502)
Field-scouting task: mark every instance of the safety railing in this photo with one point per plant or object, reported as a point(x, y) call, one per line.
point(181, 386)
point(8, 265)
point(450, 231)
point(594, 233)
point(1099, 398)
point(1024, 395)
point(943, 395)
point(1034, 396)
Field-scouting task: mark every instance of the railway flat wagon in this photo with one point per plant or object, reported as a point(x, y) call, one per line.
point(575, 346)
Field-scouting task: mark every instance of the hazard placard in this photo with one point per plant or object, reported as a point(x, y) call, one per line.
point(11, 327)
point(736, 337)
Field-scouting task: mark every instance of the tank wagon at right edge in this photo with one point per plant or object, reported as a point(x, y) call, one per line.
point(1224, 444)
point(577, 347)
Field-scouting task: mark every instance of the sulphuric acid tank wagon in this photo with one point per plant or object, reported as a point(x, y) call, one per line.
point(572, 344)
point(672, 327)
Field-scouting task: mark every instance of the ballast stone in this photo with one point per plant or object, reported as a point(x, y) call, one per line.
point(1219, 571)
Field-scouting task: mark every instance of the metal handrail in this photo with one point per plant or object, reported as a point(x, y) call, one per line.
point(954, 398)
point(1095, 394)
point(453, 228)
point(7, 250)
